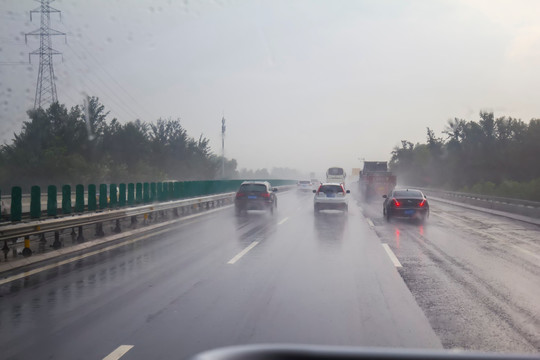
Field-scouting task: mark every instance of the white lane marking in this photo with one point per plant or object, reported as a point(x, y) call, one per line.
point(119, 352)
point(282, 221)
point(243, 252)
point(371, 224)
point(391, 255)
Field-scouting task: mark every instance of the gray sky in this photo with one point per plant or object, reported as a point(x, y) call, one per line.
point(302, 84)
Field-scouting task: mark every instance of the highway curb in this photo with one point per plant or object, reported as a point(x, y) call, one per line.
point(518, 217)
point(8, 267)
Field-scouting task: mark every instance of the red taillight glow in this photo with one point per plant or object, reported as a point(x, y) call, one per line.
point(239, 195)
point(396, 203)
point(265, 195)
point(422, 203)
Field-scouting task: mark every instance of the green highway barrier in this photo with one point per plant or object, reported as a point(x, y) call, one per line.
point(35, 202)
point(16, 203)
point(52, 201)
point(113, 195)
point(119, 195)
point(92, 200)
point(79, 198)
point(131, 194)
point(66, 199)
point(122, 195)
point(146, 193)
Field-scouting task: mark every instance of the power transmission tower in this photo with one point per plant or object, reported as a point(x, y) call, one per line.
point(223, 128)
point(45, 87)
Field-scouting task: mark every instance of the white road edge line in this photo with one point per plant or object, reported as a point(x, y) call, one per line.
point(392, 255)
point(282, 221)
point(243, 252)
point(371, 224)
point(119, 352)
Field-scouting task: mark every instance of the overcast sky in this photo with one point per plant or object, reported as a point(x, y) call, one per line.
point(302, 84)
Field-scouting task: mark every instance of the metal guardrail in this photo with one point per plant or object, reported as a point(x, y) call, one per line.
point(8, 232)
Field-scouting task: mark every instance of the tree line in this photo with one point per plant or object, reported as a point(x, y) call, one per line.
point(80, 145)
point(497, 156)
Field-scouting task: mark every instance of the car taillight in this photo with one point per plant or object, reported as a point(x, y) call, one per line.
point(422, 203)
point(239, 195)
point(265, 195)
point(396, 203)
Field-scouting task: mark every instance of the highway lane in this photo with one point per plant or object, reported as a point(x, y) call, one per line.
point(475, 275)
point(219, 280)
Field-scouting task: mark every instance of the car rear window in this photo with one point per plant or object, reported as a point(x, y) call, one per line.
point(253, 188)
point(408, 193)
point(305, 182)
point(329, 189)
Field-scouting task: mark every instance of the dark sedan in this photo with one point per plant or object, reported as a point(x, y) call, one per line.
point(405, 203)
point(255, 195)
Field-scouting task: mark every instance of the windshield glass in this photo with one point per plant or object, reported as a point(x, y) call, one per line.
point(154, 157)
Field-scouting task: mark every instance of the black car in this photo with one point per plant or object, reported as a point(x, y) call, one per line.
point(405, 203)
point(255, 195)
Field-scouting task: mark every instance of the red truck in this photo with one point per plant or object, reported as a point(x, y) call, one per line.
point(375, 180)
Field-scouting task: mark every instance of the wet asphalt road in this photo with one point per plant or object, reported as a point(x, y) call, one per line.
point(471, 281)
point(475, 275)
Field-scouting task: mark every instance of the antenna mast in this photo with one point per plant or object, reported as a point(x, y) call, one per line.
point(223, 147)
point(45, 87)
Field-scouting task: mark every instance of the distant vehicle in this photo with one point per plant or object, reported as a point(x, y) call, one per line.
point(336, 175)
point(375, 180)
point(304, 186)
point(405, 203)
point(255, 195)
point(315, 183)
point(331, 196)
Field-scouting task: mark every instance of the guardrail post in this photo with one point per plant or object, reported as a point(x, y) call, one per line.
point(138, 193)
point(122, 195)
point(5, 249)
point(117, 229)
point(27, 251)
point(79, 198)
point(134, 221)
point(99, 230)
point(153, 192)
point(103, 203)
point(146, 193)
point(113, 191)
point(16, 203)
point(92, 202)
point(57, 244)
point(131, 194)
point(80, 237)
point(35, 202)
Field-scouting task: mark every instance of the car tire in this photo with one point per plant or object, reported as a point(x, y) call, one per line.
point(387, 216)
point(237, 210)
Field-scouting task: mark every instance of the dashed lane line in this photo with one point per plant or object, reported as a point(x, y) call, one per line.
point(392, 255)
point(242, 253)
point(283, 221)
point(119, 352)
point(371, 224)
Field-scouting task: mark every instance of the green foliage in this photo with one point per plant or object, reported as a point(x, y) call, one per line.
point(496, 156)
point(61, 146)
